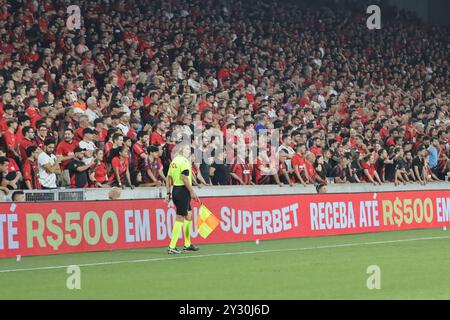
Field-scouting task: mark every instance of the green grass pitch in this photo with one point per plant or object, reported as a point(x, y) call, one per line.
point(413, 265)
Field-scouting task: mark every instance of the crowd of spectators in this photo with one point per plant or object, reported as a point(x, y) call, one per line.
point(103, 105)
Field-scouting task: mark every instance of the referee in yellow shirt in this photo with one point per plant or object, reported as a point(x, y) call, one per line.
point(180, 176)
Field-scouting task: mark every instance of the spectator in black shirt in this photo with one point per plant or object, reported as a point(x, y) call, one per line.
point(418, 165)
point(78, 170)
point(220, 171)
point(390, 169)
point(340, 172)
point(407, 167)
point(385, 166)
point(355, 168)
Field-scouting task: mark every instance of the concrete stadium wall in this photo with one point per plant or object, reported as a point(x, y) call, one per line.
point(235, 191)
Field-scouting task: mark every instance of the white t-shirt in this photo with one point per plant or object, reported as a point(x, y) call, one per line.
point(195, 85)
point(91, 115)
point(124, 128)
point(287, 150)
point(88, 146)
point(46, 179)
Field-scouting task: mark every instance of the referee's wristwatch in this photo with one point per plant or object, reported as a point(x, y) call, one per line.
point(169, 195)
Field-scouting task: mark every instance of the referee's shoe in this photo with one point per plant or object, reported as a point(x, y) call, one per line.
point(173, 251)
point(190, 248)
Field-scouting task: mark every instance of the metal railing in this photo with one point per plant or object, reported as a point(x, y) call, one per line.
point(55, 195)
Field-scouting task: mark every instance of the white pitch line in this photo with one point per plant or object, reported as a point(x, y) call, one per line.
point(227, 254)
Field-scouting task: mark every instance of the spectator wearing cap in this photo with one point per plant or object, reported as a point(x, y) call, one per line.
point(30, 168)
point(79, 171)
point(88, 145)
point(49, 165)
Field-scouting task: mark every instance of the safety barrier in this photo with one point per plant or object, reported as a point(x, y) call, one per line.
point(224, 191)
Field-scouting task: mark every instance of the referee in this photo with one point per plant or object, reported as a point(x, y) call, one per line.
point(180, 176)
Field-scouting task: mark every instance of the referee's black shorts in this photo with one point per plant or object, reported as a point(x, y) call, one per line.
point(182, 200)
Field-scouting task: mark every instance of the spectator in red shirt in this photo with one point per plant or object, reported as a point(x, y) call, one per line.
point(120, 166)
point(42, 135)
point(11, 145)
point(241, 172)
point(101, 131)
point(298, 164)
point(65, 150)
point(283, 171)
point(153, 174)
point(33, 111)
point(158, 134)
point(310, 169)
point(27, 141)
point(370, 173)
point(24, 121)
point(30, 168)
point(8, 180)
point(139, 153)
point(99, 173)
point(316, 149)
point(265, 172)
point(118, 142)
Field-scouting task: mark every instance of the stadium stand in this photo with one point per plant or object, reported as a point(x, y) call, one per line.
point(105, 105)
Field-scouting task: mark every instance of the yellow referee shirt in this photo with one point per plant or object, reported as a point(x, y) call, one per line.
point(177, 166)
